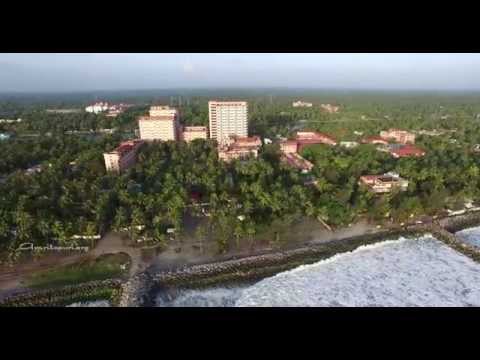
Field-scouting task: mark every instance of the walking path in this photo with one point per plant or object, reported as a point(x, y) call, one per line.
point(11, 278)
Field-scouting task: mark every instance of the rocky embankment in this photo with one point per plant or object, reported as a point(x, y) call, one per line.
point(105, 290)
point(141, 290)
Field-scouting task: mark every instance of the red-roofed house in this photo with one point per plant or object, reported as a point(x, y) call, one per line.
point(407, 151)
point(305, 138)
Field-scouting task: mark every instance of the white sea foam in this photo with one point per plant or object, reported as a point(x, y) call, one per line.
point(99, 303)
point(471, 236)
point(404, 272)
point(214, 297)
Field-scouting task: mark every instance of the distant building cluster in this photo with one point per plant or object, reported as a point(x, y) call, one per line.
point(381, 184)
point(163, 124)
point(401, 146)
point(123, 156)
point(400, 136)
point(111, 110)
point(291, 148)
point(301, 104)
point(97, 107)
point(228, 126)
point(330, 108)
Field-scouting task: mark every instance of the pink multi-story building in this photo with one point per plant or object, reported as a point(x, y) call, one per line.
point(237, 147)
point(123, 156)
point(191, 133)
point(400, 136)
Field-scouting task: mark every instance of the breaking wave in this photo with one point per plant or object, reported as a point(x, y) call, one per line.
point(99, 303)
point(404, 272)
point(471, 236)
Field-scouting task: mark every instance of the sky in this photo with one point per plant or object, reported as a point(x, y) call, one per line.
point(84, 72)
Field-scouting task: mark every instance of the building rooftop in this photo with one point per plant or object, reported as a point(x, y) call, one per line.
point(158, 118)
point(407, 150)
point(241, 141)
point(374, 138)
point(305, 136)
point(126, 146)
point(295, 160)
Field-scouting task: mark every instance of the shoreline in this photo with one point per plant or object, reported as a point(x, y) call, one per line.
point(141, 288)
point(259, 266)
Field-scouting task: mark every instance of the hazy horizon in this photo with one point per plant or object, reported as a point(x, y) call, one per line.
point(71, 73)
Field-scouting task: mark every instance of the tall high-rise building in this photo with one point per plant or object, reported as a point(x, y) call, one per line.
point(227, 118)
point(162, 124)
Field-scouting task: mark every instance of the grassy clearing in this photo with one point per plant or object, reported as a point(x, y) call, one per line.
point(103, 267)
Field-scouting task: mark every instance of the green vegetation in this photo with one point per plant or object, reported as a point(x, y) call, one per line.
point(243, 200)
point(103, 267)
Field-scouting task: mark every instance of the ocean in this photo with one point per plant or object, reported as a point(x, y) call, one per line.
point(402, 272)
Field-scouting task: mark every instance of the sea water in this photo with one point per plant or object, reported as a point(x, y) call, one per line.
point(471, 236)
point(403, 272)
point(98, 303)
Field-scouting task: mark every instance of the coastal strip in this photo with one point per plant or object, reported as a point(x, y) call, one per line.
point(140, 290)
point(91, 291)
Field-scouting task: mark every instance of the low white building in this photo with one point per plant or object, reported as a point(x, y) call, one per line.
point(97, 107)
point(348, 144)
point(301, 104)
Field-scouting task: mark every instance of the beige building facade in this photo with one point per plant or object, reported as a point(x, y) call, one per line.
point(191, 133)
point(162, 124)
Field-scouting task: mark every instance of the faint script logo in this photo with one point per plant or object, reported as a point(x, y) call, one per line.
point(32, 247)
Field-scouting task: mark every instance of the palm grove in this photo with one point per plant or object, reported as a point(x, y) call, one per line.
point(74, 195)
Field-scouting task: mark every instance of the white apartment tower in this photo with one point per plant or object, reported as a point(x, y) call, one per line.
point(227, 118)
